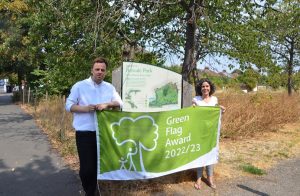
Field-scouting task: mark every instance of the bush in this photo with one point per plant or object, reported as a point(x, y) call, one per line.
point(16, 96)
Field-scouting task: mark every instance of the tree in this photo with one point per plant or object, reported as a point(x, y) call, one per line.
point(64, 37)
point(134, 142)
point(57, 39)
point(282, 36)
point(193, 29)
point(249, 78)
point(13, 55)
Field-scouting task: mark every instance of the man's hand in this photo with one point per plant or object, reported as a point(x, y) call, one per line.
point(102, 106)
point(110, 105)
point(90, 108)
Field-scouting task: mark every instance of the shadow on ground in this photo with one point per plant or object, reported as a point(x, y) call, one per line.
point(39, 177)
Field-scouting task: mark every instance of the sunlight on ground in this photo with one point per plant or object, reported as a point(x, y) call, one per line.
point(262, 151)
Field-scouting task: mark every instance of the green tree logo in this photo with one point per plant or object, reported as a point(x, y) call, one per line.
point(133, 136)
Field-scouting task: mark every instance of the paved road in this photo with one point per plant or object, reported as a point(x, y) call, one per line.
point(282, 180)
point(28, 165)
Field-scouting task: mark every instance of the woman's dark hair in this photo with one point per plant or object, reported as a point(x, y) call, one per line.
point(199, 86)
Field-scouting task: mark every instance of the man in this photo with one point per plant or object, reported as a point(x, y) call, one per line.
point(85, 98)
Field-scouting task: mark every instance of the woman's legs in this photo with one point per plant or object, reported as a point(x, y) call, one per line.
point(209, 172)
point(199, 172)
point(197, 184)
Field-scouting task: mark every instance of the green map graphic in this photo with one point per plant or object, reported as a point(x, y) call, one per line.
point(165, 95)
point(128, 97)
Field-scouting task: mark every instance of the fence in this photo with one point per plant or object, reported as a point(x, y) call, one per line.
point(49, 110)
point(26, 96)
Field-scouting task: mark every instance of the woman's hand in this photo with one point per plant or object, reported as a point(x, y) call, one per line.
point(222, 108)
point(194, 103)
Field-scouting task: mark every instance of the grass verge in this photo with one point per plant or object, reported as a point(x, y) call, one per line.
point(252, 169)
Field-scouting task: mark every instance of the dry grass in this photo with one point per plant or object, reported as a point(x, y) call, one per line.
point(251, 114)
point(262, 151)
point(257, 129)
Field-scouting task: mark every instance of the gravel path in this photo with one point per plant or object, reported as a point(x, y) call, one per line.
point(28, 165)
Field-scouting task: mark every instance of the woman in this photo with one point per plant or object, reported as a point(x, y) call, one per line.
point(204, 90)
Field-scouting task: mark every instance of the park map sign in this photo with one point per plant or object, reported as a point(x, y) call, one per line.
point(142, 145)
point(148, 88)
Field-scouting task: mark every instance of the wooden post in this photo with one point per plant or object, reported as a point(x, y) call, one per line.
point(62, 122)
point(35, 100)
point(28, 95)
point(46, 95)
point(23, 97)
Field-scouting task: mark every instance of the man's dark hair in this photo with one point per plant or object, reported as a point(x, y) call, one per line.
point(100, 60)
point(199, 86)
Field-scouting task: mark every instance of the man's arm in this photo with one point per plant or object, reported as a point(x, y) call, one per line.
point(116, 102)
point(110, 105)
point(82, 109)
point(72, 102)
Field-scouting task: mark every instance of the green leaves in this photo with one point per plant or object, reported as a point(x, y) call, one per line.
point(62, 37)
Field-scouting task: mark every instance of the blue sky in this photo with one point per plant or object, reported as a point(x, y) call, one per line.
point(215, 63)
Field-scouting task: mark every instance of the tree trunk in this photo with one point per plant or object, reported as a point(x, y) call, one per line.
point(189, 67)
point(289, 84)
point(131, 51)
point(290, 69)
point(20, 71)
point(189, 48)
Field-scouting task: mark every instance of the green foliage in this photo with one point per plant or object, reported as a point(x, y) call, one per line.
point(14, 6)
point(16, 96)
point(60, 38)
point(222, 81)
point(174, 68)
point(275, 80)
point(62, 47)
point(252, 169)
point(12, 51)
point(249, 78)
point(280, 28)
point(13, 78)
point(148, 58)
point(296, 81)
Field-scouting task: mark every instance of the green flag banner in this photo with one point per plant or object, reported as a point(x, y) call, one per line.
point(139, 145)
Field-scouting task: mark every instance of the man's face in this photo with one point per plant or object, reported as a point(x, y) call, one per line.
point(98, 72)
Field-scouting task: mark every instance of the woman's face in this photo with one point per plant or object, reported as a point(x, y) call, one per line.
point(205, 88)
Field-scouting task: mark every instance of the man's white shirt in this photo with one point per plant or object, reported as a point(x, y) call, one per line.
point(87, 92)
